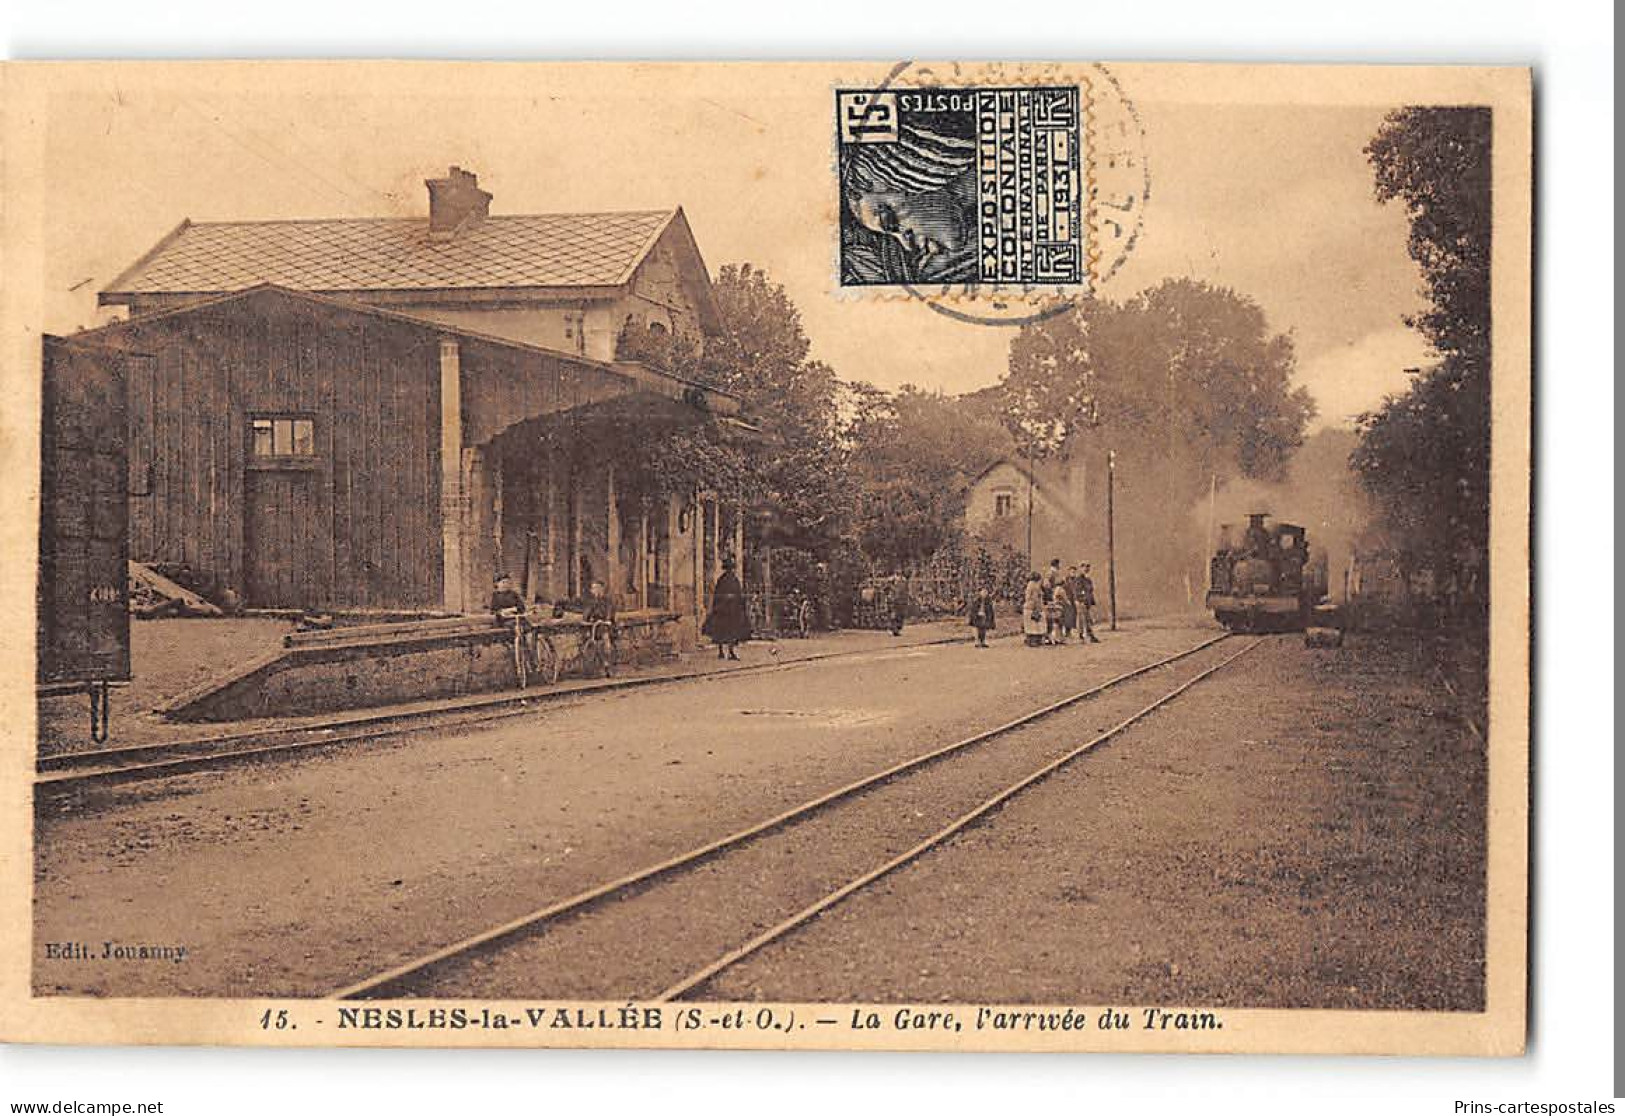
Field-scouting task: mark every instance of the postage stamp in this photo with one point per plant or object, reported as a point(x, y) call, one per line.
point(969, 185)
point(996, 194)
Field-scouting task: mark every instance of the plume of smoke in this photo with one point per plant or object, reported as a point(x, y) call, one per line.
point(1162, 506)
point(1320, 492)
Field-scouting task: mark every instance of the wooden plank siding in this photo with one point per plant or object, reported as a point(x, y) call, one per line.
point(502, 386)
point(358, 524)
point(82, 619)
point(370, 538)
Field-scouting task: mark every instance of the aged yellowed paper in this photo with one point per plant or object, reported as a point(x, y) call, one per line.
point(865, 555)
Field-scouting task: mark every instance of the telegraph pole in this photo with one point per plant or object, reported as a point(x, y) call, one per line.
point(1030, 565)
point(1212, 502)
point(1111, 536)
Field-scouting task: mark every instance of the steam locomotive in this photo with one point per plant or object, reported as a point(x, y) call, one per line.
point(1265, 581)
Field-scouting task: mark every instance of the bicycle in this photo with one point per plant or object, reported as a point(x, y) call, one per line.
point(521, 647)
point(533, 652)
point(549, 663)
point(597, 653)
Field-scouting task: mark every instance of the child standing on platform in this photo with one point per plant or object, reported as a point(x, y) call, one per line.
point(981, 615)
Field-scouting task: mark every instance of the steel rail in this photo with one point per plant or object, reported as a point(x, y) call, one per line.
point(806, 914)
point(71, 770)
point(577, 903)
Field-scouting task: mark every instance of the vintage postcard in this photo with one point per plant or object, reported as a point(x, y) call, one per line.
point(866, 555)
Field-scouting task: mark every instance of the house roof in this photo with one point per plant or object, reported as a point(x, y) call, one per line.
point(1050, 483)
point(1042, 472)
point(550, 250)
point(723, 402)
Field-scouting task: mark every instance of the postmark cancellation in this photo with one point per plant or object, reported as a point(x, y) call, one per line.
point(966, 186)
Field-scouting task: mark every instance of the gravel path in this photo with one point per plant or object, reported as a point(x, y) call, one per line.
point(635, 946)
point(1305, 830)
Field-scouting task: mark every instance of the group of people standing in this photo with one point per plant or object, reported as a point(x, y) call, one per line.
point(1058, 604)
point(1055, 604)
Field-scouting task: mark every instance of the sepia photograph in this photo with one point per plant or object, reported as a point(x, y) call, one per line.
point(856, 555)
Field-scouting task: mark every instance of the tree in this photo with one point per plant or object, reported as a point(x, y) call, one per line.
point(686, 459)
point(1184, 367)
point(792, 472)
point(913, 455)
point(1437, 162)
point(1424, 455)
point(1184, 382)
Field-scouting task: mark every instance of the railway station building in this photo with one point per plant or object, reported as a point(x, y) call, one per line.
point(380, 415)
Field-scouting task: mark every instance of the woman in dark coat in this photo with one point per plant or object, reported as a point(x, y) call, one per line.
point(727, 625)
point(981, 615)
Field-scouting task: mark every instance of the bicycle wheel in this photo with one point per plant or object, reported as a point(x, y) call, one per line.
point(519, 657)
point(547, 661)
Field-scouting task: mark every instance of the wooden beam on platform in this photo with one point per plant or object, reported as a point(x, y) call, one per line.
point(452, 501)
point(550, 522)
point(612, 560)
point(643, 557)
point(572, 575)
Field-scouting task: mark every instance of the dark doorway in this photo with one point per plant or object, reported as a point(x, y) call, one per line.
point(279, 538)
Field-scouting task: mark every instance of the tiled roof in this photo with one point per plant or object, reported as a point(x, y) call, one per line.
point(545, 250)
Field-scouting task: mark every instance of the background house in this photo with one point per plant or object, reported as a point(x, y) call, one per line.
point(1068, 509)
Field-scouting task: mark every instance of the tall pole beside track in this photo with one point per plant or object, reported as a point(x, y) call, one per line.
point(1030, 564)
point(1212, 502)
point(1111, 536)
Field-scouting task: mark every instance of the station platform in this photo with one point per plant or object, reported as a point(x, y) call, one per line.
point(173, 657)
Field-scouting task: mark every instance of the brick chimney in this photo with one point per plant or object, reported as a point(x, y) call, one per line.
point(456, 202)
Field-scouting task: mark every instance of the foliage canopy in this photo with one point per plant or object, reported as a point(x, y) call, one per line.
point(1424, 455)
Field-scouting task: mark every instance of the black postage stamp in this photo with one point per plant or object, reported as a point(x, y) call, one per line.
point(973, 186)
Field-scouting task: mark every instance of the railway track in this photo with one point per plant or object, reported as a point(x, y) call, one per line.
point(638, 919)
point(63, 775)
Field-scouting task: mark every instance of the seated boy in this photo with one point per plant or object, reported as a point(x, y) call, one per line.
point(599, 606)
point(505, 599)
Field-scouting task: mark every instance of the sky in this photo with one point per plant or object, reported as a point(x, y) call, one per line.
point(1269, 195)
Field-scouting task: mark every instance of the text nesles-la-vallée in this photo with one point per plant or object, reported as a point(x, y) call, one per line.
point(638, 1017)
